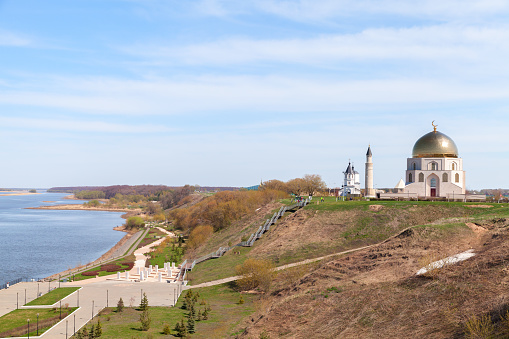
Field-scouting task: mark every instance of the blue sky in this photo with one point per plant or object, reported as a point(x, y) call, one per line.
point(223, 92)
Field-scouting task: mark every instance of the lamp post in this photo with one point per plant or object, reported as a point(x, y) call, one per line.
point(93, 309)
point(107, 298)
point(60, 309)
point(17, 302)
point(37, 324)
point(25, 296)
point(37, 290)
point(59, 281)
point(74, 328)
point(28, 327)
point(66, 329)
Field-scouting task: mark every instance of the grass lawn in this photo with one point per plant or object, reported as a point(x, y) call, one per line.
point(223, 321)
point(219, 268)
point(53, 296)
point(168, 254)
point(17, 319)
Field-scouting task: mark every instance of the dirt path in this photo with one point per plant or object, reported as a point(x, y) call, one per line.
point(279, 268)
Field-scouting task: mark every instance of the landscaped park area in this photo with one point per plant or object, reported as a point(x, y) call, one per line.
point(35, 321)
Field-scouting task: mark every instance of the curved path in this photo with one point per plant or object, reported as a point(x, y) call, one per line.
point(279, 268)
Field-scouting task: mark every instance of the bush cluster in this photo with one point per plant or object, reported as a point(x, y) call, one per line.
point(223, 208)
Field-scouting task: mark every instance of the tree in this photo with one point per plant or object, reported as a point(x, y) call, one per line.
point(120, 306)
point(98, 329)
point(199, 235)
point(296, 186)
point(145, 320)
point(181, 329)
point(274, 184)
point(313, 183)
point(256, 273)
point(190, 324)
point(167, 329)
point(134, 222)
point(144, 303)
point(91, 334)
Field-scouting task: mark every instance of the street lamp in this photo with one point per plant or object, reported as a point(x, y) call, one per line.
point(37, 324)
point(28, 327)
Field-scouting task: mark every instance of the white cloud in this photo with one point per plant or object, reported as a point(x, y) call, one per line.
point(246, 94)
point(444, 43)
point(12, 39)
point(78, 126)
point(320, 11)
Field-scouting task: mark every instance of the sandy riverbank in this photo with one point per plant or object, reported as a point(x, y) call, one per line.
point(15, 193)
point(77, 207)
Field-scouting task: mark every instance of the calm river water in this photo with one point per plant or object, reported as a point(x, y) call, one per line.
point(38, 243)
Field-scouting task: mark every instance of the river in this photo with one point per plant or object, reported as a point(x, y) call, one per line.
point(38, 243)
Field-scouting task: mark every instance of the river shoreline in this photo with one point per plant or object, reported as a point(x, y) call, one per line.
point(105, 257)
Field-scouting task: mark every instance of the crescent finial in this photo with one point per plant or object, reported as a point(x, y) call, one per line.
point(434, 126)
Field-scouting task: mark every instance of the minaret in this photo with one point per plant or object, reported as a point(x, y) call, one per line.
point(369, 192)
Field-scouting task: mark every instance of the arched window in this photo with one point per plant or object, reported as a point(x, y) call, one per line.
point(457, 177)
point(410, 177)
point(454, 166)
point(414, 166)
point(434, 166)
point(421, 177)
point(433, 182)
point(445, 178)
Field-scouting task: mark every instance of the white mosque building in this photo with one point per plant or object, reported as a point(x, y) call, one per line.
point(435, 170)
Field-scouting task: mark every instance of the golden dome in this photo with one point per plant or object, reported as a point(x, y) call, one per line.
point(435, 145)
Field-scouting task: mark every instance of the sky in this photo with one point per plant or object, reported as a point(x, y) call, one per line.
point(229, 93)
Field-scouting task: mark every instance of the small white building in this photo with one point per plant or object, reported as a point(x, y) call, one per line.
point(352, 184)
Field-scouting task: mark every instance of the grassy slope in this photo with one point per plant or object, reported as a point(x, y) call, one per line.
point(375, 293)
point(344, 225)
point(223, 320)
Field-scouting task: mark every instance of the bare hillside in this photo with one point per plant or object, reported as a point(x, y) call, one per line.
point(375, 293)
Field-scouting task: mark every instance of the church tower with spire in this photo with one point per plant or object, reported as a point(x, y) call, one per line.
point(369, 191)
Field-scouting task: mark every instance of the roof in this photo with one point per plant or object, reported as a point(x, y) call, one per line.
point(401, 184)
point(435, 145)
point(350, 169)
point(369, 151)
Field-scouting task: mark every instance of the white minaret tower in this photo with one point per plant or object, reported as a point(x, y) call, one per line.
point(369, 192)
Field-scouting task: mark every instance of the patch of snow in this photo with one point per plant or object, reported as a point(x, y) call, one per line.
point(447, 261)
point(258, 209)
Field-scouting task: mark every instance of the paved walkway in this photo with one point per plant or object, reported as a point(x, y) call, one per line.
point(97, 293)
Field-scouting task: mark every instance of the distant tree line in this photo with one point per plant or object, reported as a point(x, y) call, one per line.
point(308, 185)
point(146, 190)
point(90, 194)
